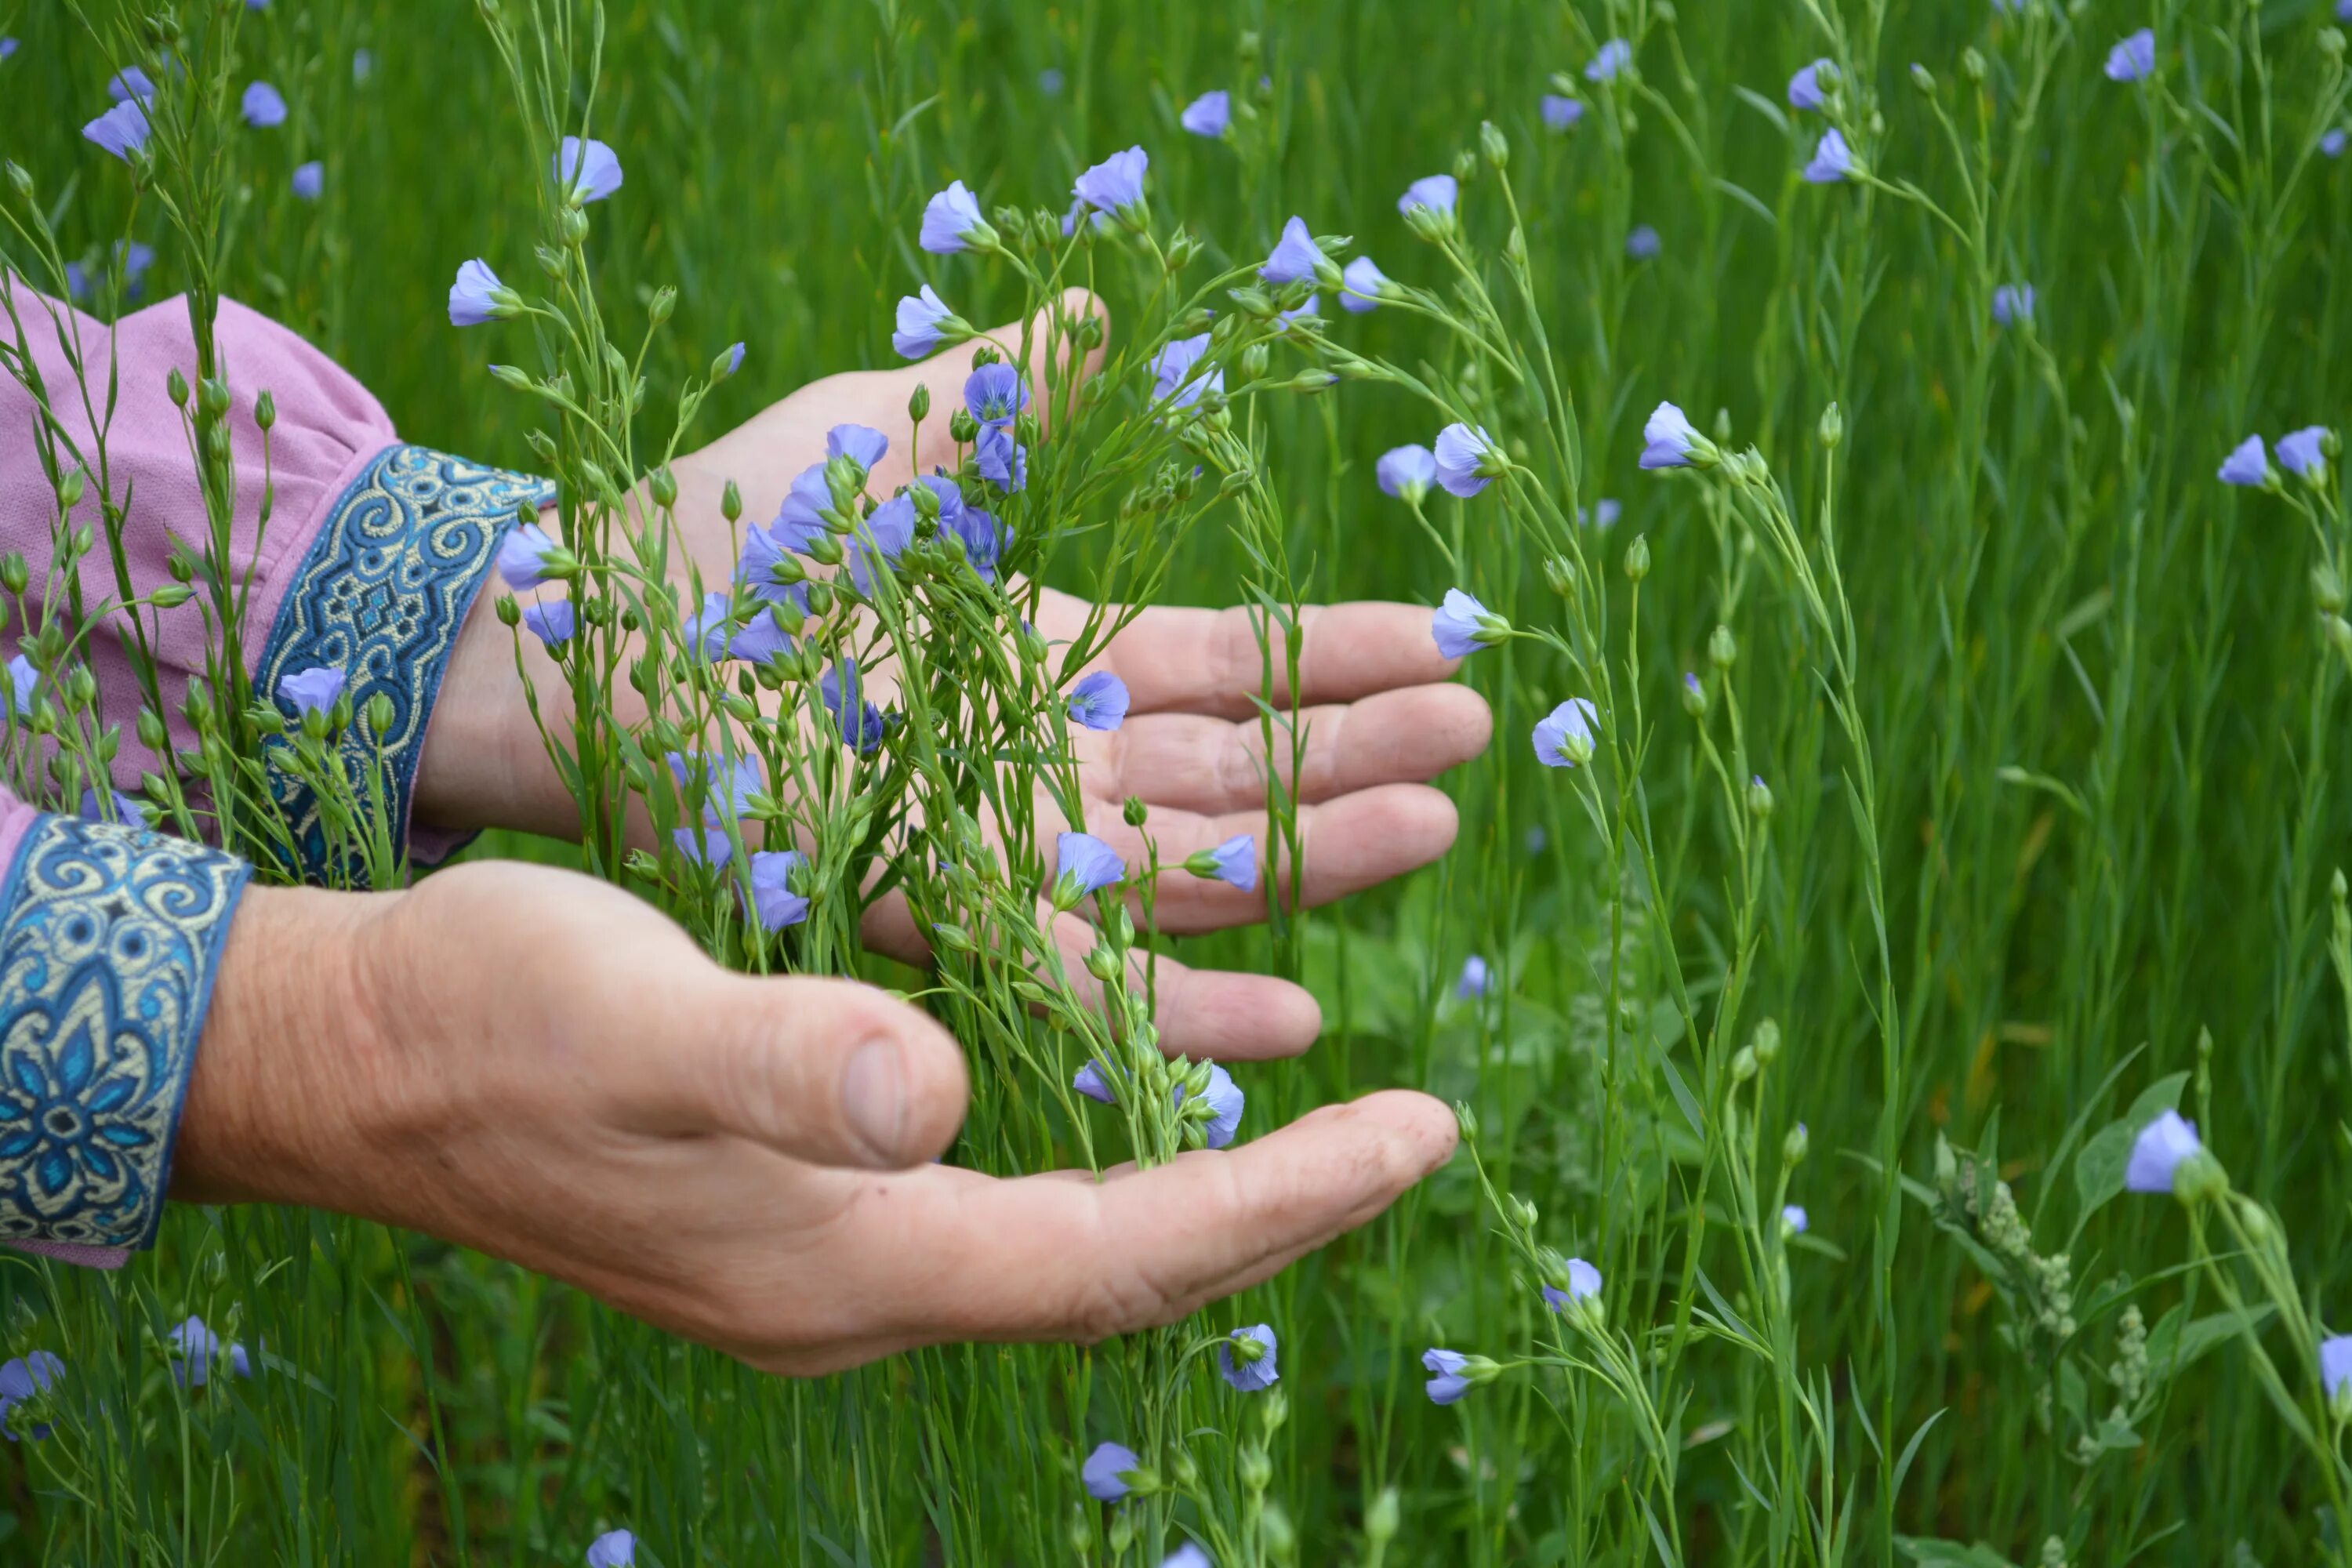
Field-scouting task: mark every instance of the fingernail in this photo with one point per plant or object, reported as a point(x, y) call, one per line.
point(874, 1097)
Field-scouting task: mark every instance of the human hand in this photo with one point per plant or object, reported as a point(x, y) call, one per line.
point(534, 1064)
point(1380, 718)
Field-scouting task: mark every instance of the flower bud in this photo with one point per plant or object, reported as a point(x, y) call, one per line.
point(1429, 223)
point(919, 403)
point(1135, 812)
point(1637, 558)
point(171, 596)
point(2340, 634)
point(20, 178)
point(572, 227)
point(1491, 145)
point(1795, 1146)
point(1743, 1064)
point(1972, 64)
point(264, 409)
point(1766, 1042)
point(1694, 695)
point(70, 488)
point(963, 427)
point(1923, 79)
point(1281, 1536)
point(1382, 1516)
point(1759, 798)
point(1723, 648)
point(1102, 963)
point(663, 484)
point(1559, 574)
point(1831, 428)
point(510, 614)
point(380, 713)
point(176, 385)
point(1254, 361)
point(1256, 1470)
point(2327, 588)
point(1467, 1119)
point(14, 574)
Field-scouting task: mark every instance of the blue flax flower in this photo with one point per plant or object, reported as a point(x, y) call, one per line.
point(1447, 1383)
point(1794, 1219)
point(1188, 1555)
point(862, 725)
point(1583, 1284)
point(7, 48)
point(1672, 441)
point(1093, 1084)
point(1361, 286)
point(773, 902)
point(983, 540)
point(729, 791)
point(1644, 244)
point(951, 222)
point(309, 180)
point(1209, 114)
point(21, 680)
point(1002, 461)
point(1099, 701)
point(1832, 159)
point(264, 106)
point(121, 130)
point(2335, 1365)
point(2331, 141)
point(996, 393)
point(1311, 310)
point(1249, 1370)
point(884, 537)
point(707, 629)
point(522, 558)
point(1467, 460)
point(613, 1548)
point(1476, 979)
point(112, 807)
point(1604, 515)
point(761, 639)
point(2012, 303)
point(924, 323)
point(22, 1377)
point(588, 171)
point(2163, 1146)
point(2134, 59)
point(2302, 452)
point(1106, 1470)
point(1436, 192)
point(766, 571)
point(1234, 862)
point(198, 1349)
point(801, 519)
point(861, 444)
point(1614, 56)
point(1225, 1102)
point(1564, 738)
point(1406, 472)
point(1561, 112)
point(1296, 257)
point(1087, 865)
point(1463, 625)
point(1806, 87)
point(2247, 464)
point(129, 85)
point(1116, 185)
point(1173, 365)
point(312, 690)
point(552, 622)
point(478, 296)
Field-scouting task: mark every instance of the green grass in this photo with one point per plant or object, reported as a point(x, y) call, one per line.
point(2067, 806)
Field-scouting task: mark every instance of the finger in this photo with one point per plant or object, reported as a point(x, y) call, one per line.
point(944, 373)
point(1218, 1014)
point(1344, 846)
point(829, 1071)
point(1197, 764)
point(1176, 660)
point(1055, 1260)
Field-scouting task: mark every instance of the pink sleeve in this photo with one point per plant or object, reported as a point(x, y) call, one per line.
point(367, 566)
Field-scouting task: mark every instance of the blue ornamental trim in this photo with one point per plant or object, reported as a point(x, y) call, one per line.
point(110, 937)
point(382, 596)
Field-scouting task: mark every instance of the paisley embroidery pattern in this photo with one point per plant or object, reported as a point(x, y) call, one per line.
point(382, 596)
point(108, 940)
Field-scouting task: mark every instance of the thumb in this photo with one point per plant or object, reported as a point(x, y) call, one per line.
point(826, 1070)
point(1050, 336)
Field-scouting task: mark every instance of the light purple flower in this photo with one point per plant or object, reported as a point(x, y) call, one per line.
point(21, 680)
point(2163, 1146)
point(2335, 1365)
point(1176, 385)
point(134, 258)
point(1234, 862)
point(309, 180)
point(1463, 625)
point(1805, 87)
point(130, 84)
point(760, 640)
point(1793, 1216)
point(264, 106)
point(2012, 303)
point(732, 785)
point(21, 1377)
point(801, 519)
point(112, 807)
point(1406, 472)
point(2247, 464)
point(1604, 515)
point(861, 444)
point(1311, 310)
point(1003, 461)
point(1670, 440)
point(707, 629)
point(976, 531)
point(1104, 1469)
point(734, 358)
point(2331, 141)
point(198, 1349)
point(1478, 980)
point(1099, 701)
point(883, 536)
point(1447, 1383)
point(1091, 1082)
point(1188, 1555)
point(2134, 59)
point(312, 690)
point(951, 222)
point(1361, 286)
point(1614, 56)
point(1832, 159)
point(478, 296)
point(362, 64)
point(2300, 453)
point(613, 1548)
point(586, 172)
point(1087, 865)
point(1644, 244)
point(1436, 192)
point(7, 46)
point(1564, 738)
point(1115, 185)
point(1466, 459)
point(1226, 1103)
point(1583, 1284)
point(773, 902)
point(996, 393)
point(121, 130)
point(1209, 114)
point(522, 558)
point(922, 318)
point(1296, 257)
point(861, 725)
point(1561, 112)
point(552, 621)
point(1049, 82)
point(1250, 1376)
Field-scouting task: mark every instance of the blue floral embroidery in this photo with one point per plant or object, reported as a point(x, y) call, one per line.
point(381, 596)
point(108, 940)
